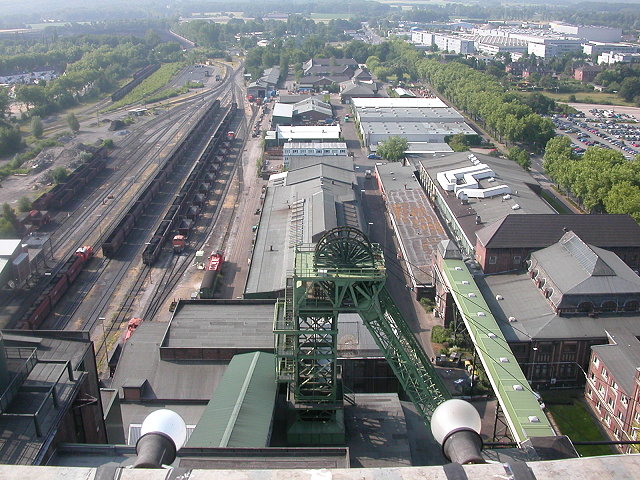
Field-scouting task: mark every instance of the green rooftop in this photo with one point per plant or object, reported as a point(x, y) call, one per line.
point(519, 404)
point(241, 410)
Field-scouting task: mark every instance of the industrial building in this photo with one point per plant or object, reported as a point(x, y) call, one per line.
point(265, 84)
point(613, 386)
point(14, 263)
point(454, 44)
point(49, 394)
point(419, 120)
point(492, 189)
point(299, 206)
point(357, 89)
point(302, 133)
point(325, 149)
point(597, 48)
point(417, 227)
point(553, 313)
point(591, 33)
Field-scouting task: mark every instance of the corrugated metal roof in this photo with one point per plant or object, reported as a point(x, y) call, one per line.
point(241, 410)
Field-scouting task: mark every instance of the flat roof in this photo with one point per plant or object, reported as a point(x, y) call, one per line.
point(431, 102)
point(519, 403)
point(408, 114)
point(428, 147)
point(418, 227)
point(8, 246)
point(586, 468)
point(416, 128)
point(167, 380)
point(316, 145)
point(283, 110)
point(219, 325)
point(329, 132)
point(20, 443)
point(240, 325)
point(489, 209)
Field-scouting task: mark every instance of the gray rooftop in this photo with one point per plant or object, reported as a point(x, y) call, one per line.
point(538, 231)
point(576, 268)
point(621, 357)
point(620, 467)
point(417, 224)
point(20, 444)
point(536, 320)
point(408, 114)
point(235, 324)
point(303, 161)
point(299, 206)
point(490, 209)
point(283, 110)
point(416, 128)
point(220, 325)
point(166, 380)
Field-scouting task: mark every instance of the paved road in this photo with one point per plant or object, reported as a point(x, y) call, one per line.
point(374, 211)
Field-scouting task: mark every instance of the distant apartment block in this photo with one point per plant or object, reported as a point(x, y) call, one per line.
point(454, 44)
point(609, 58)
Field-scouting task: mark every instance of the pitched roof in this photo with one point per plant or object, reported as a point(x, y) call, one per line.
point(542, 230)
point(621, 356)
point(576, 268)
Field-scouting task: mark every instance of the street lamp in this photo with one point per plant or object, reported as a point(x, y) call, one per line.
point(455, 424)
point(163, 433)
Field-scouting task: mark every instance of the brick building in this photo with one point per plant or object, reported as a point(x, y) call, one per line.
point(613, 386)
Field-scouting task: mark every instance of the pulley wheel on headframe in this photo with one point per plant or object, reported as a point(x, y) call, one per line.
point(344, 247)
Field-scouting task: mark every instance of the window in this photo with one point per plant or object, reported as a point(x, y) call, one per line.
point(624, 400)
point(493, 259)
point(607, 419)
point(616, 433)
point(609, 306)
point(605, 375)
point(620, 416)
point(517, 260)
point(596, 362)
point(589, 392)
point(610, 401)
point(614, 385)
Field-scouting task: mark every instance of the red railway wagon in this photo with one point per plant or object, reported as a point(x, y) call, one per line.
point(57, 287)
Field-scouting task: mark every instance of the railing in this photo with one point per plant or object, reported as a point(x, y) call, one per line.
point(13, 353)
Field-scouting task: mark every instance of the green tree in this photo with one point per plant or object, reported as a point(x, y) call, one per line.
point(73, 123)
point(59, 174)
point(4, 102)
point(630, 88)
point(6, 229)
point(520, 156)
point(9, 215)
point(24, 204)
point(393, 149)
point(37, 129)
point(458, 142)
point(10, 140)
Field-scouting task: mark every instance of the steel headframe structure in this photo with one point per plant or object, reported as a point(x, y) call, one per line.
point(342, 273)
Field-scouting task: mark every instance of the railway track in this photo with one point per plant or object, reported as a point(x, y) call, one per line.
point(80, 228)
point(140, 279)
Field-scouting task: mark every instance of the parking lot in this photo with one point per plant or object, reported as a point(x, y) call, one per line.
point(602, 127)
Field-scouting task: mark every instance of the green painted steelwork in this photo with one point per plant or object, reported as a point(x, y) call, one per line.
point(519, 403)
point(344, 272)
